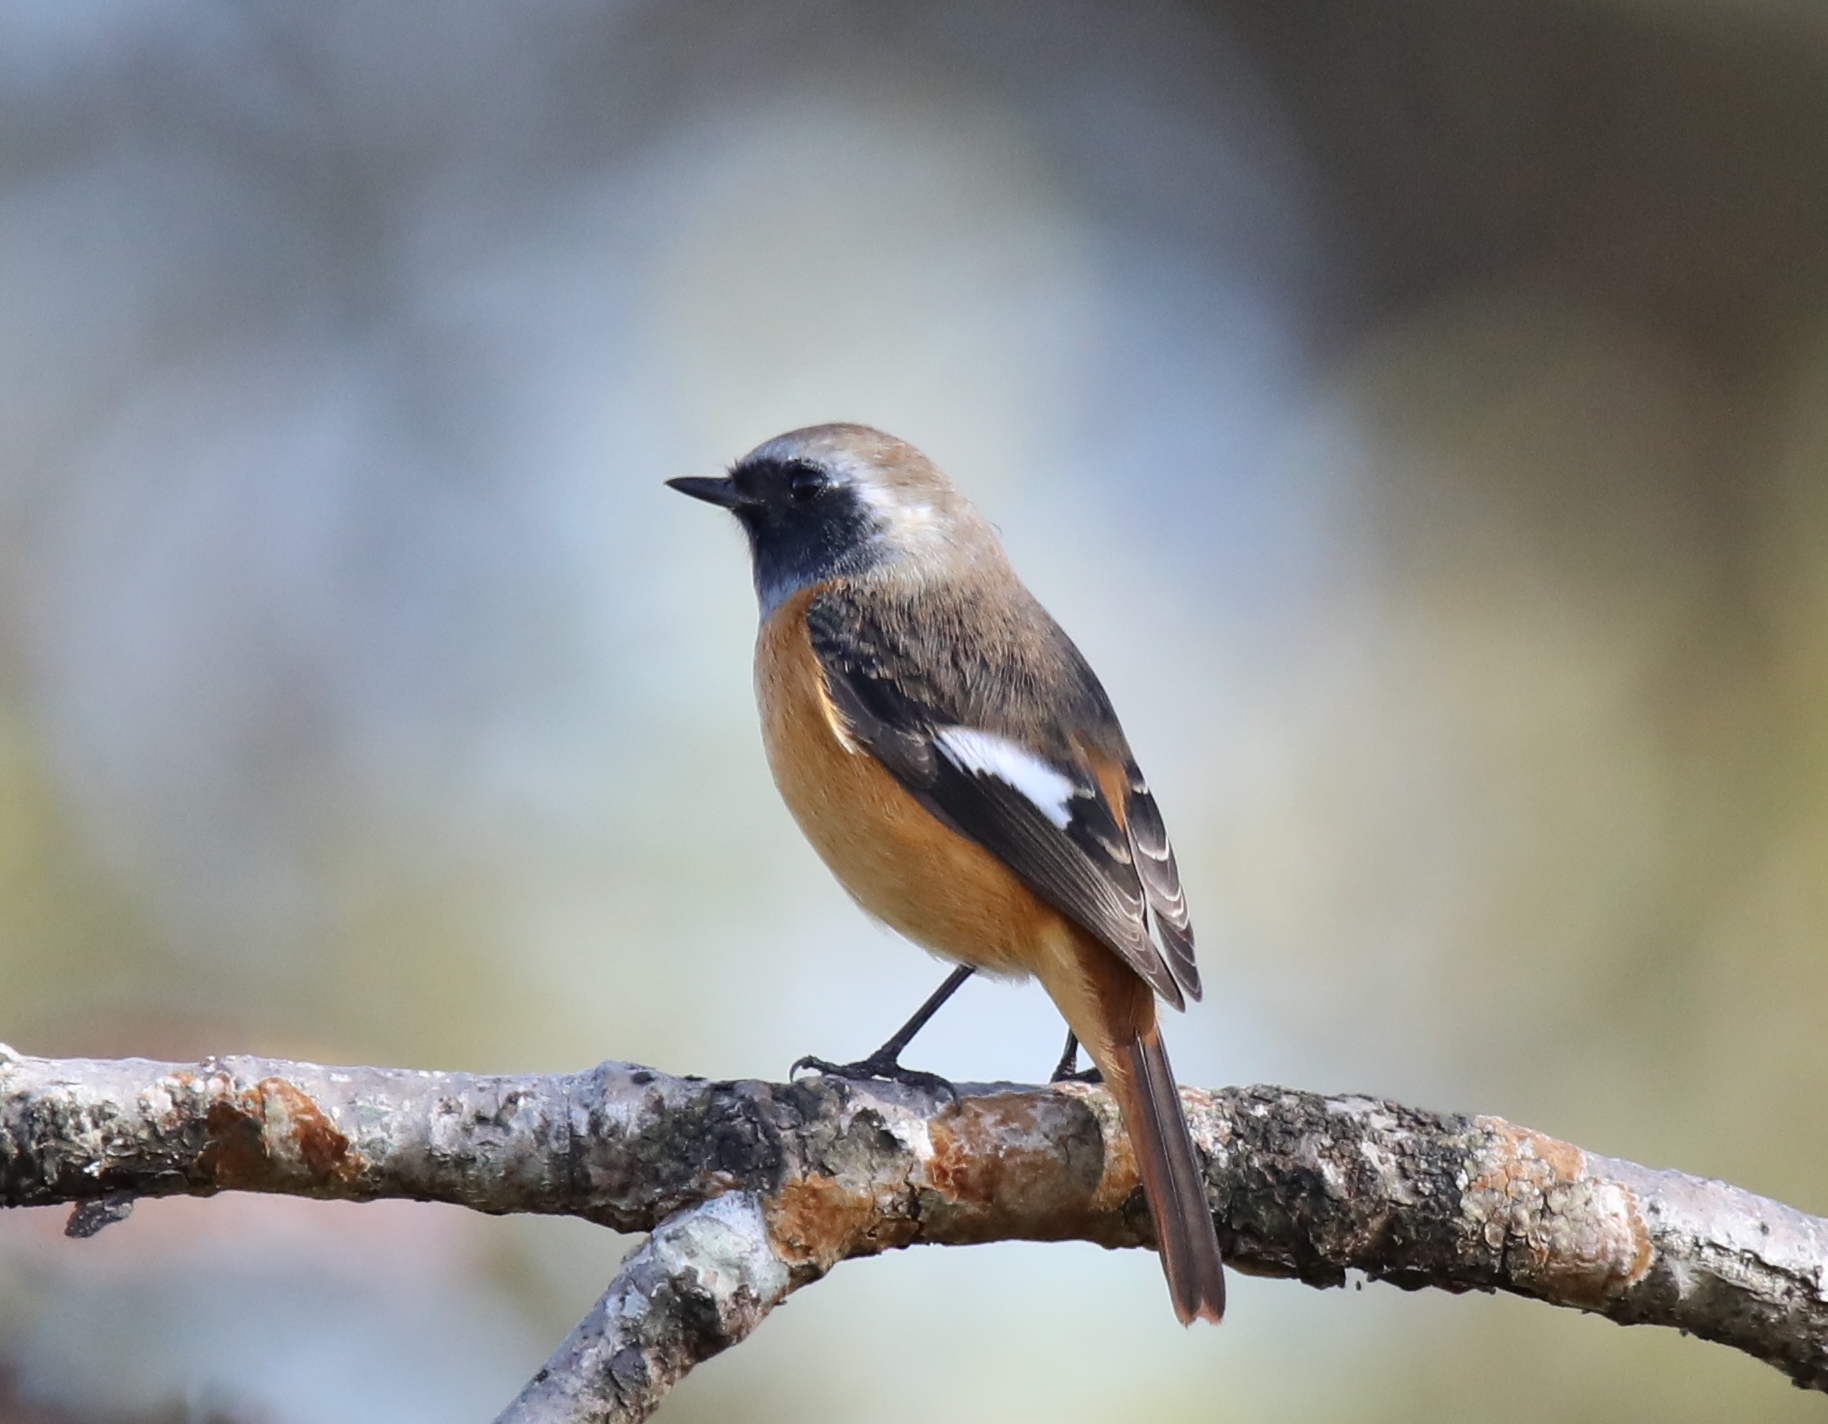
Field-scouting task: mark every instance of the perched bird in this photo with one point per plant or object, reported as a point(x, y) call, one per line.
point(955, 762)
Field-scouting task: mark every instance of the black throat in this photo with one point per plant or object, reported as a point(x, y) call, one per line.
point(797, 542)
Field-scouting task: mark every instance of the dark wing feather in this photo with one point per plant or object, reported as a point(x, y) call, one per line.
point(896, 703)
point(1161, 880)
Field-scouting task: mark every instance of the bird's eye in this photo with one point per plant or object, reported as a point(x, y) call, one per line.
point(806, 482)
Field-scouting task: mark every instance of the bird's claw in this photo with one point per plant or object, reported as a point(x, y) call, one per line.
point(1083, 1075)
point(876, 1068)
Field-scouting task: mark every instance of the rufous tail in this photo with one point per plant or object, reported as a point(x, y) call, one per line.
point(1171, 1179)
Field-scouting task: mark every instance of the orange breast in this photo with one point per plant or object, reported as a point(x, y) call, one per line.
point(895, 857)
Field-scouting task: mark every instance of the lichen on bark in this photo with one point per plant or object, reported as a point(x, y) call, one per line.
point(754, 1189)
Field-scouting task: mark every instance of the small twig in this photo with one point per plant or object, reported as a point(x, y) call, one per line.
point(87, 1218)
point(818, 1171)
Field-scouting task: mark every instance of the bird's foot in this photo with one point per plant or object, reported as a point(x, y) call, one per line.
point(1083, 1075)
point(1067, 1070)
point(878, 1067)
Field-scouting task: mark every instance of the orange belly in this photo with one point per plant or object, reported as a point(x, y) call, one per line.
point(895, 857)
point(917, 875)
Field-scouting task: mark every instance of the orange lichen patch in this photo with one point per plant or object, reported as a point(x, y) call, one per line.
point(982, 1148)
point(818, 1221)
point(1572, 1236)
point(1530, 1156)
point(324, 1150)
point(1020, 1165)
point(261, 1138)
point(997, 1166)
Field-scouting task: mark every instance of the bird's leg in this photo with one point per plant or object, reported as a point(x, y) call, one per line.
point(1067, 1070)
point(885, 1062)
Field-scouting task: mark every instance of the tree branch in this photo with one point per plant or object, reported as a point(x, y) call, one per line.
point(699, 1285)
point(753, 1189)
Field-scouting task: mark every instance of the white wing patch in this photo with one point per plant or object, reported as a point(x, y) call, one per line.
point(987, 754)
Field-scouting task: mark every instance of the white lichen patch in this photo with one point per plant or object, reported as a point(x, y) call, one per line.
point(725, 1244)
point(1392, 1181)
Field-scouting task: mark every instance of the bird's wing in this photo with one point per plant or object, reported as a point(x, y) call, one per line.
point(1043, 813)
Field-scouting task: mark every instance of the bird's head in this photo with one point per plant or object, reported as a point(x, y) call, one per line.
point(834, 501)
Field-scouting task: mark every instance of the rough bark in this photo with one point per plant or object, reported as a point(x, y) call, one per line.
point(754, 1189)
point(699, 1285)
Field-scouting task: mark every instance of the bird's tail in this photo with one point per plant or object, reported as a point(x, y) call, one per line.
point(1176, 1192)
point(1112, 1011)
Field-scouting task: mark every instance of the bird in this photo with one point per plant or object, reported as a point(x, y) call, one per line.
point(957, 765)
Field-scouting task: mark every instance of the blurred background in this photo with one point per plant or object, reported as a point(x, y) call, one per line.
point(1444, 388)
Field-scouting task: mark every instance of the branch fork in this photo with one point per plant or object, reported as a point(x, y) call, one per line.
point(751, 1190)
